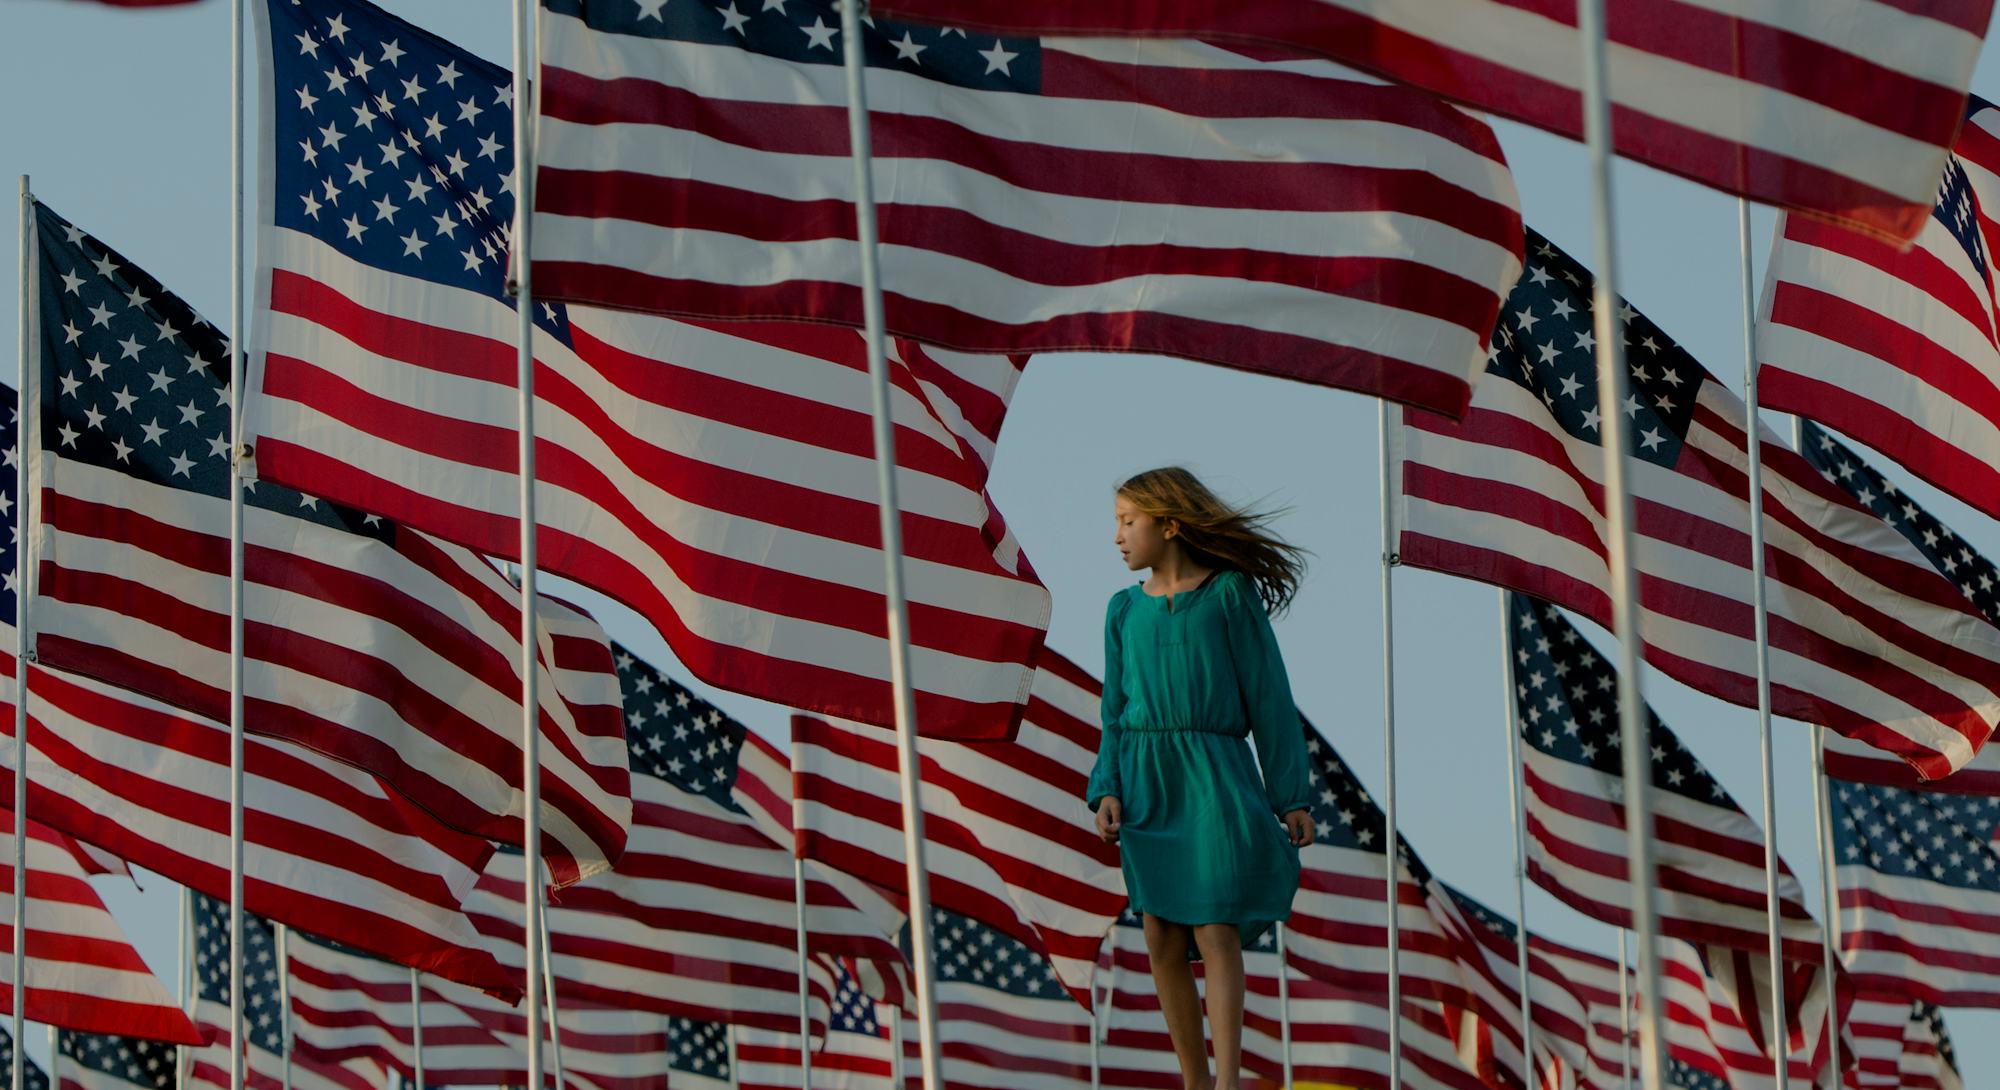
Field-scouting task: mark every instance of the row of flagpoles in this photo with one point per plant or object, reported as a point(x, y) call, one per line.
point(1612, 393)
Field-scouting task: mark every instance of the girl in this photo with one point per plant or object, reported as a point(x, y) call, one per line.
point(1190, 668)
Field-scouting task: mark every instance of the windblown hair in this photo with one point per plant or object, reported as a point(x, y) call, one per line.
point(1219, 535)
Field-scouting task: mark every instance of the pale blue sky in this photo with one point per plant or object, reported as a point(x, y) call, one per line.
point(123, 120)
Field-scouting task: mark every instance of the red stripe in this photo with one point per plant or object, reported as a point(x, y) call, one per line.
point(1942, 280)
point(1912, 362)
point(1920, 450)
point(1123, 176)
point(1306, 359)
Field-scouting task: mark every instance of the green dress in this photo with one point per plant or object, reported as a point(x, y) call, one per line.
point(1188, 684)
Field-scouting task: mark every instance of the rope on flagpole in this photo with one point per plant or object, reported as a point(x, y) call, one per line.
point(1611, 398)
point(416, 1030)
point(521, 288)
point(239, 452)
point(18, 1076)
point(805, 998)
point(1392, 850)
point(892, 546)
point(1284, 1008)
point(1780, 1039)
point(1517, 798)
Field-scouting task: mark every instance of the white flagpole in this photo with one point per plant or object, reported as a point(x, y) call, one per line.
point(1611, 394)
point(735, 1077)
point(1829, 892)
point(555, 1011)
point(238, 334)
point(1096, 1049)
point(892, 547)
point(1284, 1010)
point(520, 287)
point(55, 1058)
point(805, 999)
point(897, 1080)
point(1392, 850)
point(184, 980)
point(21, 419)
point(284, 943)
point(1761, 630)
point(1624, 1015)
point(1517, 798)
point(416, 1030)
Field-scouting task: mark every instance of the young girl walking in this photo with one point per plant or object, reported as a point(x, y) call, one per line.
point(1192, 669)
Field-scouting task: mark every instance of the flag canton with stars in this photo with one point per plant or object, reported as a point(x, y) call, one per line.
point(1917, 834)
point(698, 1048)
point(146, 1064)
point(1932, 1017)
point(808, 32)
point(969, 952)
point(260, 969)
point(1481, 915)
point(1546, 344)
point(135, 381)
point(1567, 696)
point(31, 1074)
point(1689, 1077)
point(675, 735)
point(394, 147)
point(1342, 811)
point(853, 1011)
point(1973, 574)
point(1955, 209)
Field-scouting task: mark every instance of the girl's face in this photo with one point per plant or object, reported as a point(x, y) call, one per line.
point(1141, 538)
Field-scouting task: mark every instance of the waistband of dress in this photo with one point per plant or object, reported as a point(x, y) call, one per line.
point(1183, 728)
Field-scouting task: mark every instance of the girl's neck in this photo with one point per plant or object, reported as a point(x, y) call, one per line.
point(1177, 568)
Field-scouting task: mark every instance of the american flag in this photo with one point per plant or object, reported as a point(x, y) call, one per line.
point(644, 964)
point(1846, 112)
point(1703, 1027)
point(698, 1055)
point(1286, 216)
point(1975, 576)
point(718, 479)
point(372, 643)
point(700, 862)
point(83, 972)
point(1900, 1045)
point(1009, 841)
point(265, 1066)
point(31, 1073)
point(860, 1051)
point(1488, 1020)
point(349, 1008)
point(1919, 878)
point(1005, 1020)
point(1709, 853)
point(1339, 1035)
point(99, 1061)
point(1866, 637)
point(327, 846)
point(1897, 348)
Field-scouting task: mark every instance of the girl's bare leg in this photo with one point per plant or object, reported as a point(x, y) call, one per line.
point(1222, 969)
point(1167, 946)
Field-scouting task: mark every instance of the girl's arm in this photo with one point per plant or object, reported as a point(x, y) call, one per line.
point(1275, 726)
point(1111, 708)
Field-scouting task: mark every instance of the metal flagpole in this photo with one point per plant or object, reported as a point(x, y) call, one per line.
point(1611, 395)
point(1096, 1049)
point(1624, 1015)
point(805, 999)
point(1517, 797)
point(1761, 632)
point(1829, 892)
point(520, 287)
point(55, 1059)
point(729, 1033)
point(1284, 1009)
point(897, 1079)
point(284, 942)
point(1393, 850)
point(238, 451)
point(555, 1011)
point(184, 980)
point(20, 960)
point(892, 546)
point(416, 1030)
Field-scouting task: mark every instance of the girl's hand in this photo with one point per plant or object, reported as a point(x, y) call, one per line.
point(1110, 813)
point(1299, 824)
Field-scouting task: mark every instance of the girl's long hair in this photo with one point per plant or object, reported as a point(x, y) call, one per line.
point(1220, 535)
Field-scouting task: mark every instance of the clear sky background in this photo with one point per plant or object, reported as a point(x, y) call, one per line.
point(122, 118)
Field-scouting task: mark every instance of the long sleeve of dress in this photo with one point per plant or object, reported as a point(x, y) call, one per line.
point(1275, 727)
point(1104, 774)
